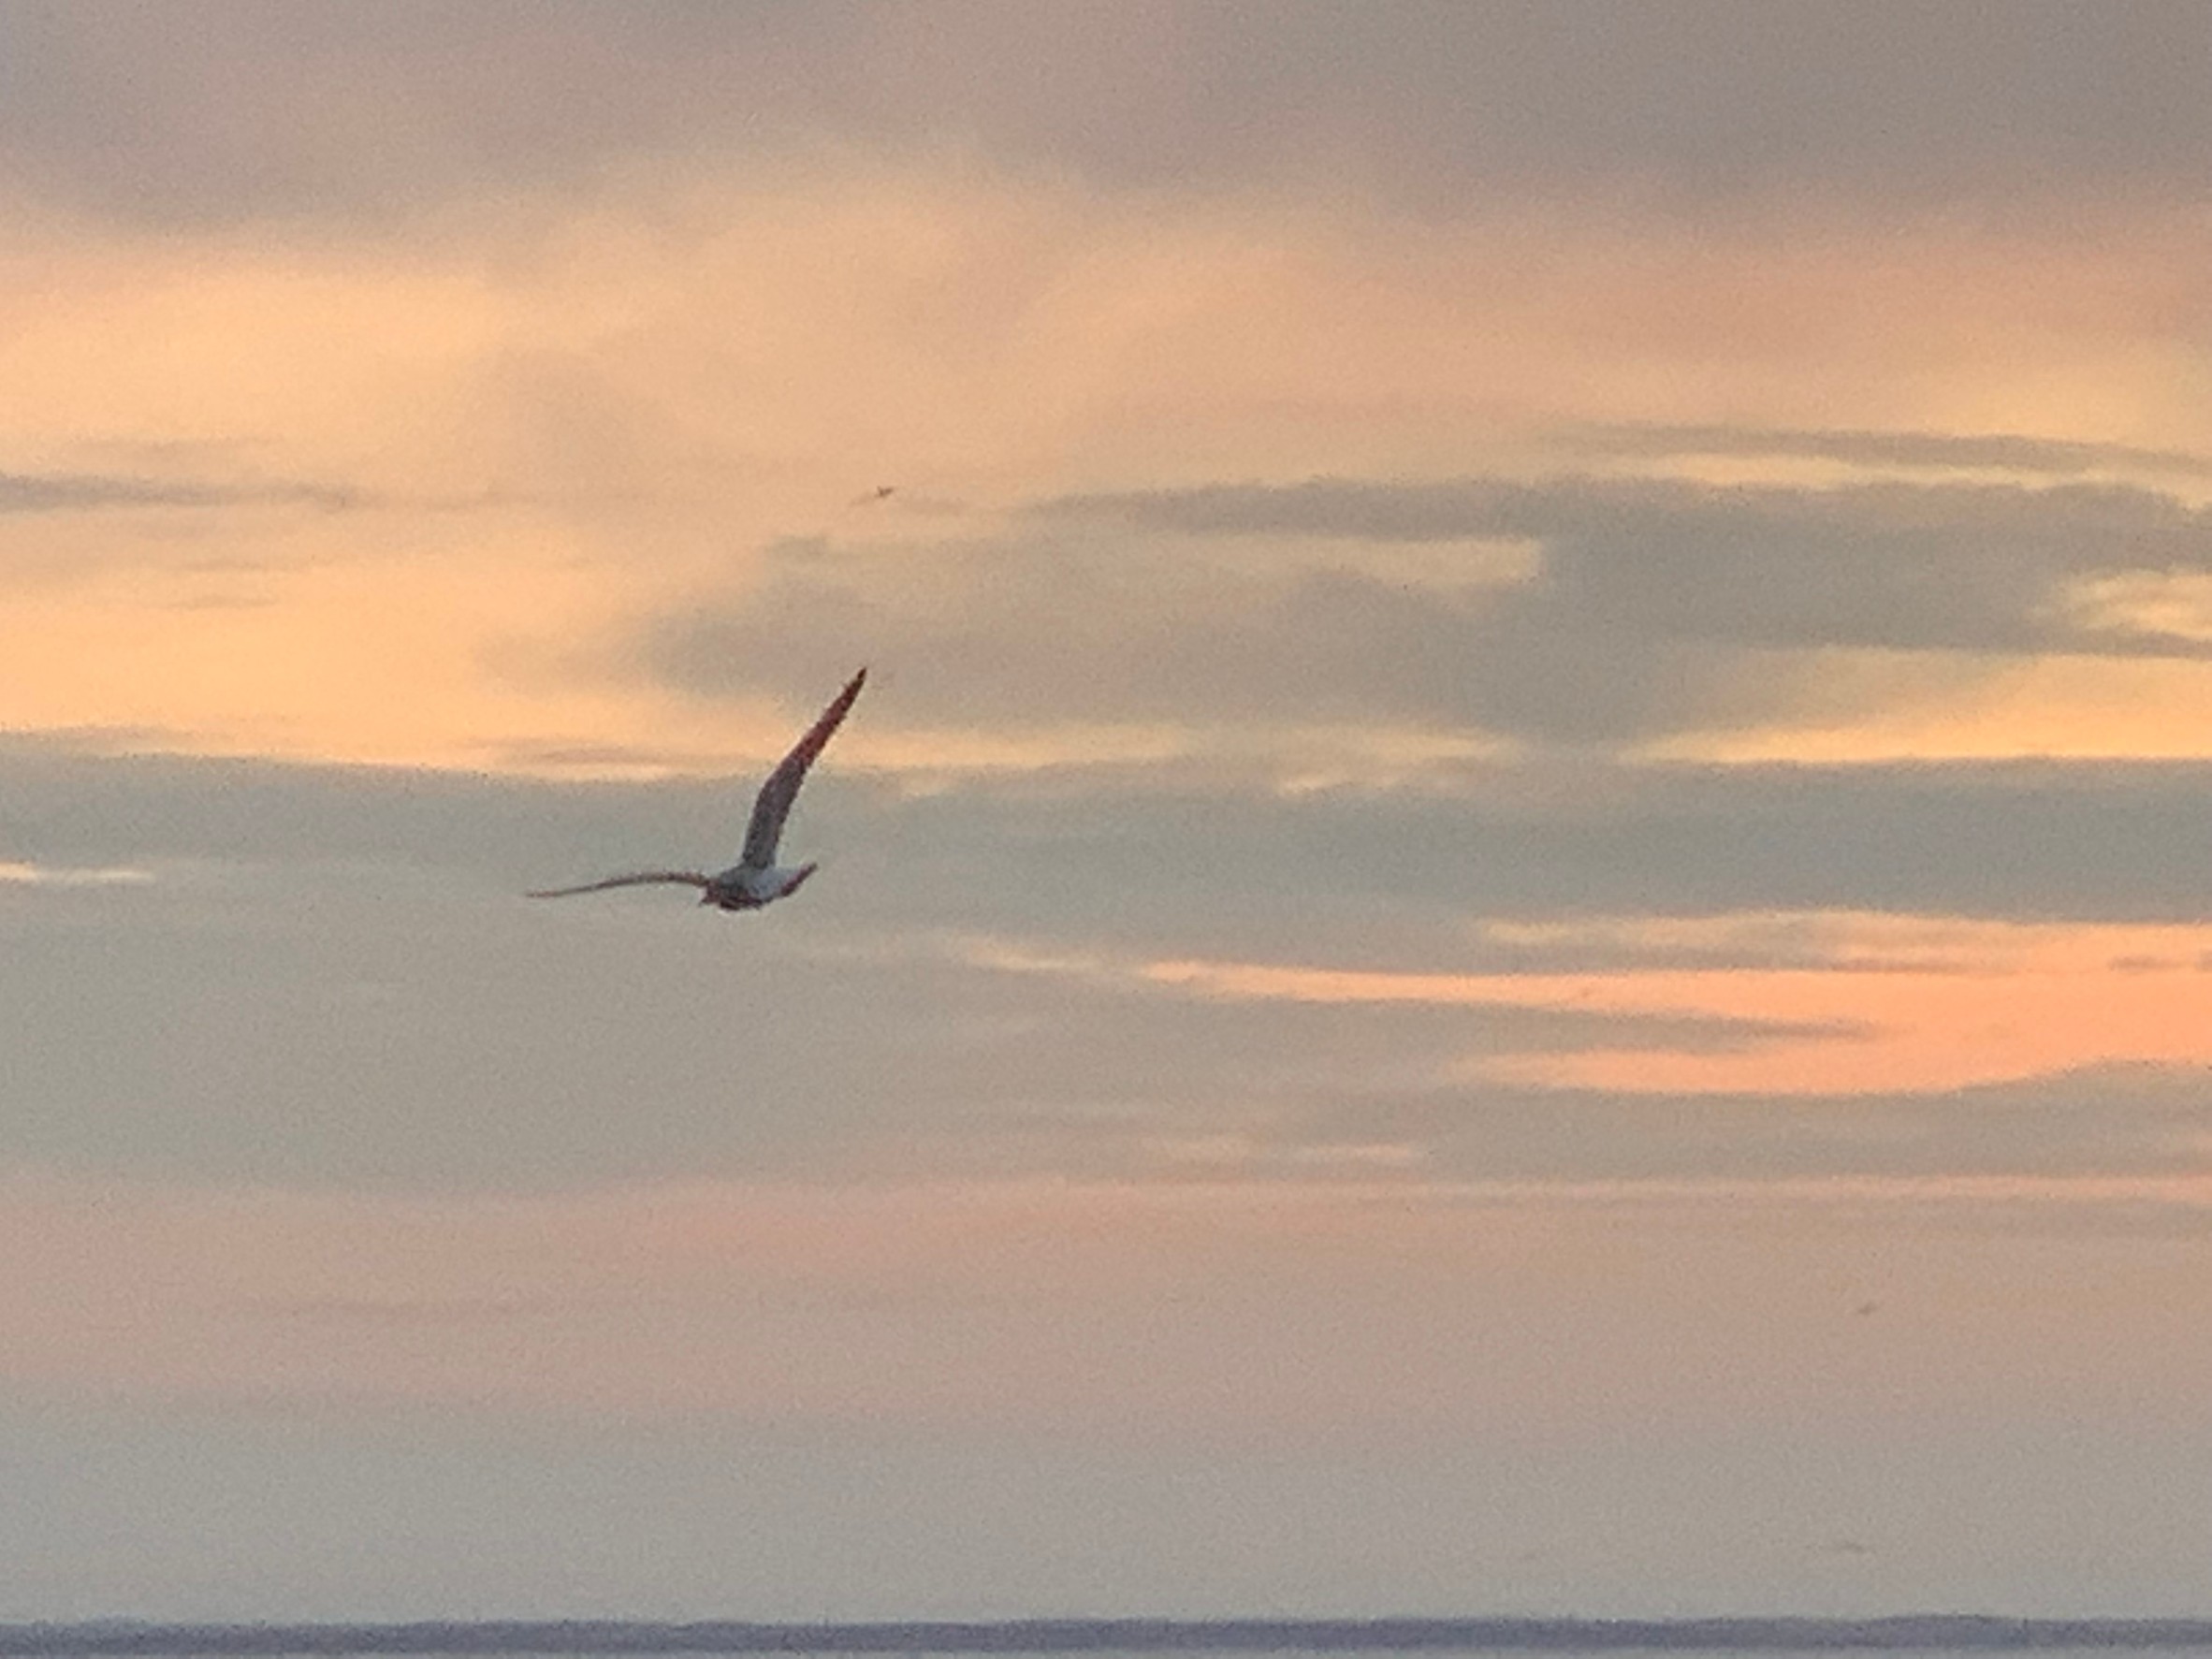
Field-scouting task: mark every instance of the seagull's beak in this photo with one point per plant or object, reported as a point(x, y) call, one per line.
point(798, 878)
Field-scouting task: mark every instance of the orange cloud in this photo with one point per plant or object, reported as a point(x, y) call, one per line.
point(1933, 1005)
point(633, 395)
point(1955, 707)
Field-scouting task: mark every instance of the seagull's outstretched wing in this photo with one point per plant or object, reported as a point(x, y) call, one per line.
point(771, 806)
point(686, 878)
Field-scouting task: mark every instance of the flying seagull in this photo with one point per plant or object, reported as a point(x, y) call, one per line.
point(756, 879)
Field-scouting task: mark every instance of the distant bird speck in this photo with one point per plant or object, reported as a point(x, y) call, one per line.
point(756, 879)
point(882, 492)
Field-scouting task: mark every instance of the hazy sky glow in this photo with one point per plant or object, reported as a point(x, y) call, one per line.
point(1518, 921)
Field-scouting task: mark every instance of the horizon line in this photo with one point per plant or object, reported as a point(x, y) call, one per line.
point(1894, 1633)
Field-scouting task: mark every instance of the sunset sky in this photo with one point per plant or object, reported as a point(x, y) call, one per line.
point(1518, 921)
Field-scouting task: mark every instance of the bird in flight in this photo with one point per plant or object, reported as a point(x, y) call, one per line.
point(756, 879)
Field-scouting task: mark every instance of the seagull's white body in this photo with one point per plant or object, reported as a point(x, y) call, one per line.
point(738, 888)
point(756, 879)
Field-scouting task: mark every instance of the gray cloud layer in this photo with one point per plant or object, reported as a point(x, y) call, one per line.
point(80, 492)
point(331, 978)
point(2133, 1120)
point(345, 1026)
point(1660, 606)
point(247, 107)
point(1182, 866)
